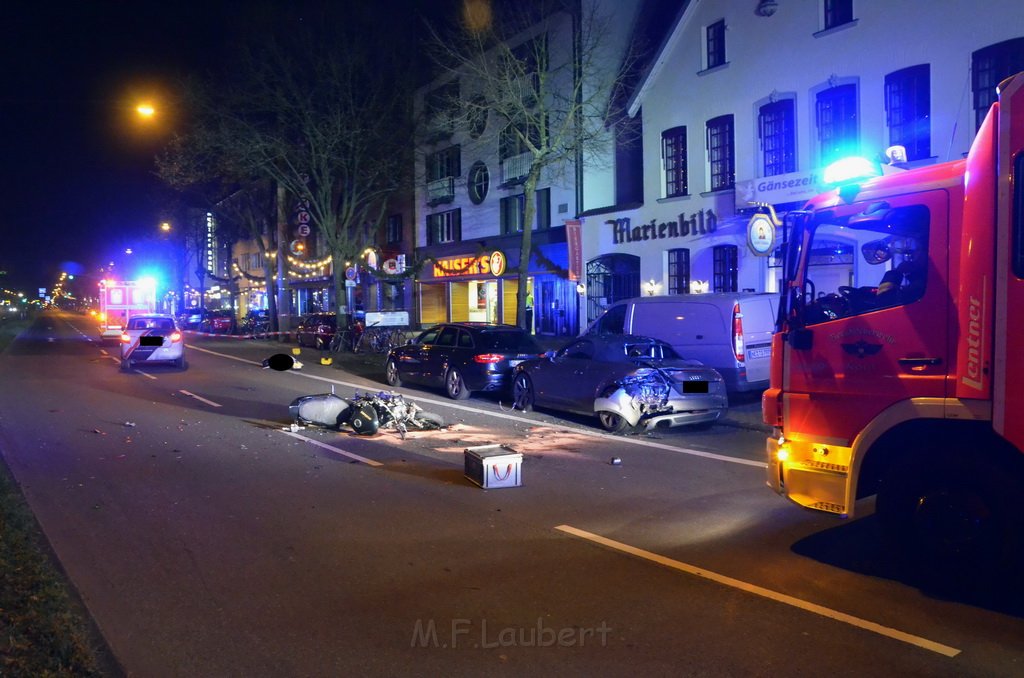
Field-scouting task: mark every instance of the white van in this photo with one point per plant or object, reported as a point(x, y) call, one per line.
point(731, 332)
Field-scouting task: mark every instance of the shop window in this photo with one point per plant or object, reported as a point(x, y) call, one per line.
point(776, 128)
point(836, 112)
point(837, 12)
point(721, 153)
point(444, 227)
point(673, 158)
point(990, 66)
point(611, 278)
point(714, 43)
point(394, 229)
point(725, 268)
point(679, 271)
point(433, 303)
point(908, 110)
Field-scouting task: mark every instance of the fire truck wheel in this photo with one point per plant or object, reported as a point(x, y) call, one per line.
point(948, 516)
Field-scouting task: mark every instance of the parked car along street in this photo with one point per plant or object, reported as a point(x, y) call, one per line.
point(218, 322)
point(626, 380)
point(316, 330)
point(152, 338)
point(462, 357)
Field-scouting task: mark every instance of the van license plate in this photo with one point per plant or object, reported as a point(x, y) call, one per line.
point(695, 387)
point(756, 353)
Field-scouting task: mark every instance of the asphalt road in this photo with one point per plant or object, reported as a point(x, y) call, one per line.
point(206, 540)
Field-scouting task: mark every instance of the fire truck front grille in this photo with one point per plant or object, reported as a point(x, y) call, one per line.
point(811, 465)
point(828, 507)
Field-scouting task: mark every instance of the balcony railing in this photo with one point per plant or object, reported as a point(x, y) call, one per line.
point(515, 168)
point(441, 190)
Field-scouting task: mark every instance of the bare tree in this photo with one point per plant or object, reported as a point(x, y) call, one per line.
point(323, 111)
point(554, 102)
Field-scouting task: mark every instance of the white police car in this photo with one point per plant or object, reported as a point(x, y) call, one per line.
point(152, 338)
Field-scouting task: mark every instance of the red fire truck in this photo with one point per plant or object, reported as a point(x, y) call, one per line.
point(898, 370)
point(121, 299)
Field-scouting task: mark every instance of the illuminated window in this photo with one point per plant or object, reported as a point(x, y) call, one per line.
point(908, 110)
point(838, 134)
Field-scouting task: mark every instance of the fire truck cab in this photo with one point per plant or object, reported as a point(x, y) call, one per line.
point(898, 369)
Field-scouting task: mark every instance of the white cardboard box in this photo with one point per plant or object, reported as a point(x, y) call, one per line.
point(493, 466)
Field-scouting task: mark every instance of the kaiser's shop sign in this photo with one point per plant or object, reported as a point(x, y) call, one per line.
point(476, 264)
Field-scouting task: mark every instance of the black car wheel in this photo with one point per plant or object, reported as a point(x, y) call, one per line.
point(454, 386)
point(391, 373)
point(612, 422)
point(522, 393)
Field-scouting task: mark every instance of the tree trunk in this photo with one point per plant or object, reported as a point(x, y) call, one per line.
point(526, 244)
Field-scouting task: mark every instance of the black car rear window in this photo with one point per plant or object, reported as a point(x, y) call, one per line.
point(507, 342)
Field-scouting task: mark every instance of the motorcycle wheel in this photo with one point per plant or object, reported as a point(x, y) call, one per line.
point(429, 421)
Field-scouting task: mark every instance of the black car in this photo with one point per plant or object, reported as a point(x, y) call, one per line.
point(462, 357)
point(317, 330)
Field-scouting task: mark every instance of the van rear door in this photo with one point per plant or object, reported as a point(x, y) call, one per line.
point(696, 330)
point(758, 326)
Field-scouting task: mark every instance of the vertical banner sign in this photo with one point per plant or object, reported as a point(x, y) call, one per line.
point(573, 237)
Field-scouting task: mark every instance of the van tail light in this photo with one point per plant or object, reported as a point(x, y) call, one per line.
point(488, 358)
point(126, 338)
point(737, 332)
point(175, 336)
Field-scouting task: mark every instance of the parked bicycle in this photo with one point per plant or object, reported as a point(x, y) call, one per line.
point(381, 339)
point(348, 338)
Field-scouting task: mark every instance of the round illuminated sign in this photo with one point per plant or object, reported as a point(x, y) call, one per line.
point(497, 262)
point(761, 235)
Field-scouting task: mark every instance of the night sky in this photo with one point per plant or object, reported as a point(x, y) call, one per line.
point(78, 170)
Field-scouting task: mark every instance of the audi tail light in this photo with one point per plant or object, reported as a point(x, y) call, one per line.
point(488, 358)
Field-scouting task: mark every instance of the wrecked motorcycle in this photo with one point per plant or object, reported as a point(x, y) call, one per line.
point(364, 413)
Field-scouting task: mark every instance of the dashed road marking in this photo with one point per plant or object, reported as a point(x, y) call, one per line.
point(334, 450)
point(199, 398)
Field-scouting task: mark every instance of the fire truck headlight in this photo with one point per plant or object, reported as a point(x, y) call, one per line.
point(782, 452)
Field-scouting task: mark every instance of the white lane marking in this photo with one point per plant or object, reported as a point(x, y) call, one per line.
point(512, 417)
point(814, 608)
point(150, 376)
point(335, 450)
point(199, 398)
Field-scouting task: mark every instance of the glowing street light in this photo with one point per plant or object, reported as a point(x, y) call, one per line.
point(145, 110)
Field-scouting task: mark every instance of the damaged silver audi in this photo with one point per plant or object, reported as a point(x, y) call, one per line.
point(628, 381)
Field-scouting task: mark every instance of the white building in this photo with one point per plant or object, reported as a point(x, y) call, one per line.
point(748, 102)
point(469, 190)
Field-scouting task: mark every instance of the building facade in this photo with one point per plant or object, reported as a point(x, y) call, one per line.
point(746, 103)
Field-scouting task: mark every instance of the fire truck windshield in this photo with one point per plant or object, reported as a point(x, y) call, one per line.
point(862, 260)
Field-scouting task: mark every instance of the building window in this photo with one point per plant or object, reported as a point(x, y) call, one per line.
point(679, 271)
point(715, 43)
point(836, 110)
point(908, 110)
point(611, 278)
point(513, 211)
point(837, 13)
point(479, 182)
point(444, 227)
point(725, 266)
point(776, 128)
point(721, 155)
point(440, 107)
point(673, 157)
point(990, 66)
point(445, 163)
point(394, 229)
